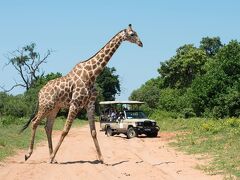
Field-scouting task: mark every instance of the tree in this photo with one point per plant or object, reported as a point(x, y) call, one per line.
point(217, 92)
point(182, 68)
point(27, 62)
point(108, 84)
point(148, 93)
point(211, 45)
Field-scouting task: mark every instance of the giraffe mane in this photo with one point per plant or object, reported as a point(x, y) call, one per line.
point(102, 47)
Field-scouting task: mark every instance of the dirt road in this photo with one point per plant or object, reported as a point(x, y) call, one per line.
point(138, 158)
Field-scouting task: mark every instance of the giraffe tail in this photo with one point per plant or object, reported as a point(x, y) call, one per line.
point(32, 117)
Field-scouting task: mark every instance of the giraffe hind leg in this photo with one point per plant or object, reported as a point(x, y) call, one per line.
point(73, 110)
point(91, 120)
point(35, 123)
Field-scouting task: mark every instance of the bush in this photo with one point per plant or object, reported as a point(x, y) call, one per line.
point(148, 93)
point(176, 100)
point(188, 113)
point(232, 122)
point(162, 115)
point(147, 110)
point(7, 120)
point(15, 106)
point(211, 126)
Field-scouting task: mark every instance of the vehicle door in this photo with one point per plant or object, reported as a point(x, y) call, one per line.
point(122, 124)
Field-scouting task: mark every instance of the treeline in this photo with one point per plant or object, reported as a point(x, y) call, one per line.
point(199, 81)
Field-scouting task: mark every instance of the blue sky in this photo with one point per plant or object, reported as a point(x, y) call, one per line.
point(76, 30)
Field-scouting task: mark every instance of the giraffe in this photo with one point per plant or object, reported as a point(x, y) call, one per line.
point(75, 91)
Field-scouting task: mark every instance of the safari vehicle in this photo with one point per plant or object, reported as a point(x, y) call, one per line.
point(125, 117)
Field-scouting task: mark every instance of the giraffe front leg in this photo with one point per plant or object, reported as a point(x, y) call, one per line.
point(91, 119)
point(48, 128)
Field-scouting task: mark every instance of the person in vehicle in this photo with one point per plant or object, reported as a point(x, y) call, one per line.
point(113, 115)
point(121, 116)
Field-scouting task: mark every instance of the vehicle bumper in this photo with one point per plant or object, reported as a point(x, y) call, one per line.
point(144, 130)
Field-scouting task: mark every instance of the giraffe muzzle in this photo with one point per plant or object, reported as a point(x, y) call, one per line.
point(139, 43)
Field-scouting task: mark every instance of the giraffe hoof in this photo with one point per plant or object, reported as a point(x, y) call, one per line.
point(26, 157)
point(101, 160)
point(52, 161)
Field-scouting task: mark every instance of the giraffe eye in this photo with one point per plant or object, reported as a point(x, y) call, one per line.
point(132, 34)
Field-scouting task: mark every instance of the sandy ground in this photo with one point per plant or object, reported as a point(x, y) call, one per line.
point(137, 158)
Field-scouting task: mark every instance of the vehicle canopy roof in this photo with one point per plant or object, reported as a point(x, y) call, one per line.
point(120, 102)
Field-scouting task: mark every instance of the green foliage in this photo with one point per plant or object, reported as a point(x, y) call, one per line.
point(211, 45)
point(13, 105)
point(3, 97)
point(181, 69)
point(108, 84)
point(188, 113)
point(211, 126)
point(148, 93)
point(8, 120)
point(173, 99)
point(161, 116)
point(216, 93)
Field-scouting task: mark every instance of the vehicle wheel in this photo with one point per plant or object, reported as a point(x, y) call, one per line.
point(131, 133)
point(152, 134)
point(109, 132)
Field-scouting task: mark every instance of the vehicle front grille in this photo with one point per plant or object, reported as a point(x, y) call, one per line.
point(147, 123)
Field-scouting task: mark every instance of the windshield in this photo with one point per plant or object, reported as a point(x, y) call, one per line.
point(135, 115)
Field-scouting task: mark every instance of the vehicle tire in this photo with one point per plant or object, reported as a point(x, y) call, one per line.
point(154, 134)
point(109, 131)
point(131, 133)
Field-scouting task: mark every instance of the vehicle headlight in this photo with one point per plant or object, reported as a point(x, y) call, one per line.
point(139, 123)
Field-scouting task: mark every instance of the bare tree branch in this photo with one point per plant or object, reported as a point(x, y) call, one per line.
point(8, 90)
point(27, 63)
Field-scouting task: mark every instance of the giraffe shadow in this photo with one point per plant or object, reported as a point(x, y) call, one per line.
point(91, 162)
point(115, 164)
point(81, 162)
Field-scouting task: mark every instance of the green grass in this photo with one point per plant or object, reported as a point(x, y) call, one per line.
point(218, 139)
point(11, 141)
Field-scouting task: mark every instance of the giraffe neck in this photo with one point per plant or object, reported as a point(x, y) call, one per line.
point(91, 68)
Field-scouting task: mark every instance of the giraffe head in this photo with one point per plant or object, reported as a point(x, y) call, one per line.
point(131, 36)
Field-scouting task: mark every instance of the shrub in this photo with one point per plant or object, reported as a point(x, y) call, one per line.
point(232, 122)
point(212, 126)
point(7, 120)
point(162, 115)
point(15, 106)
point(188, 113)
